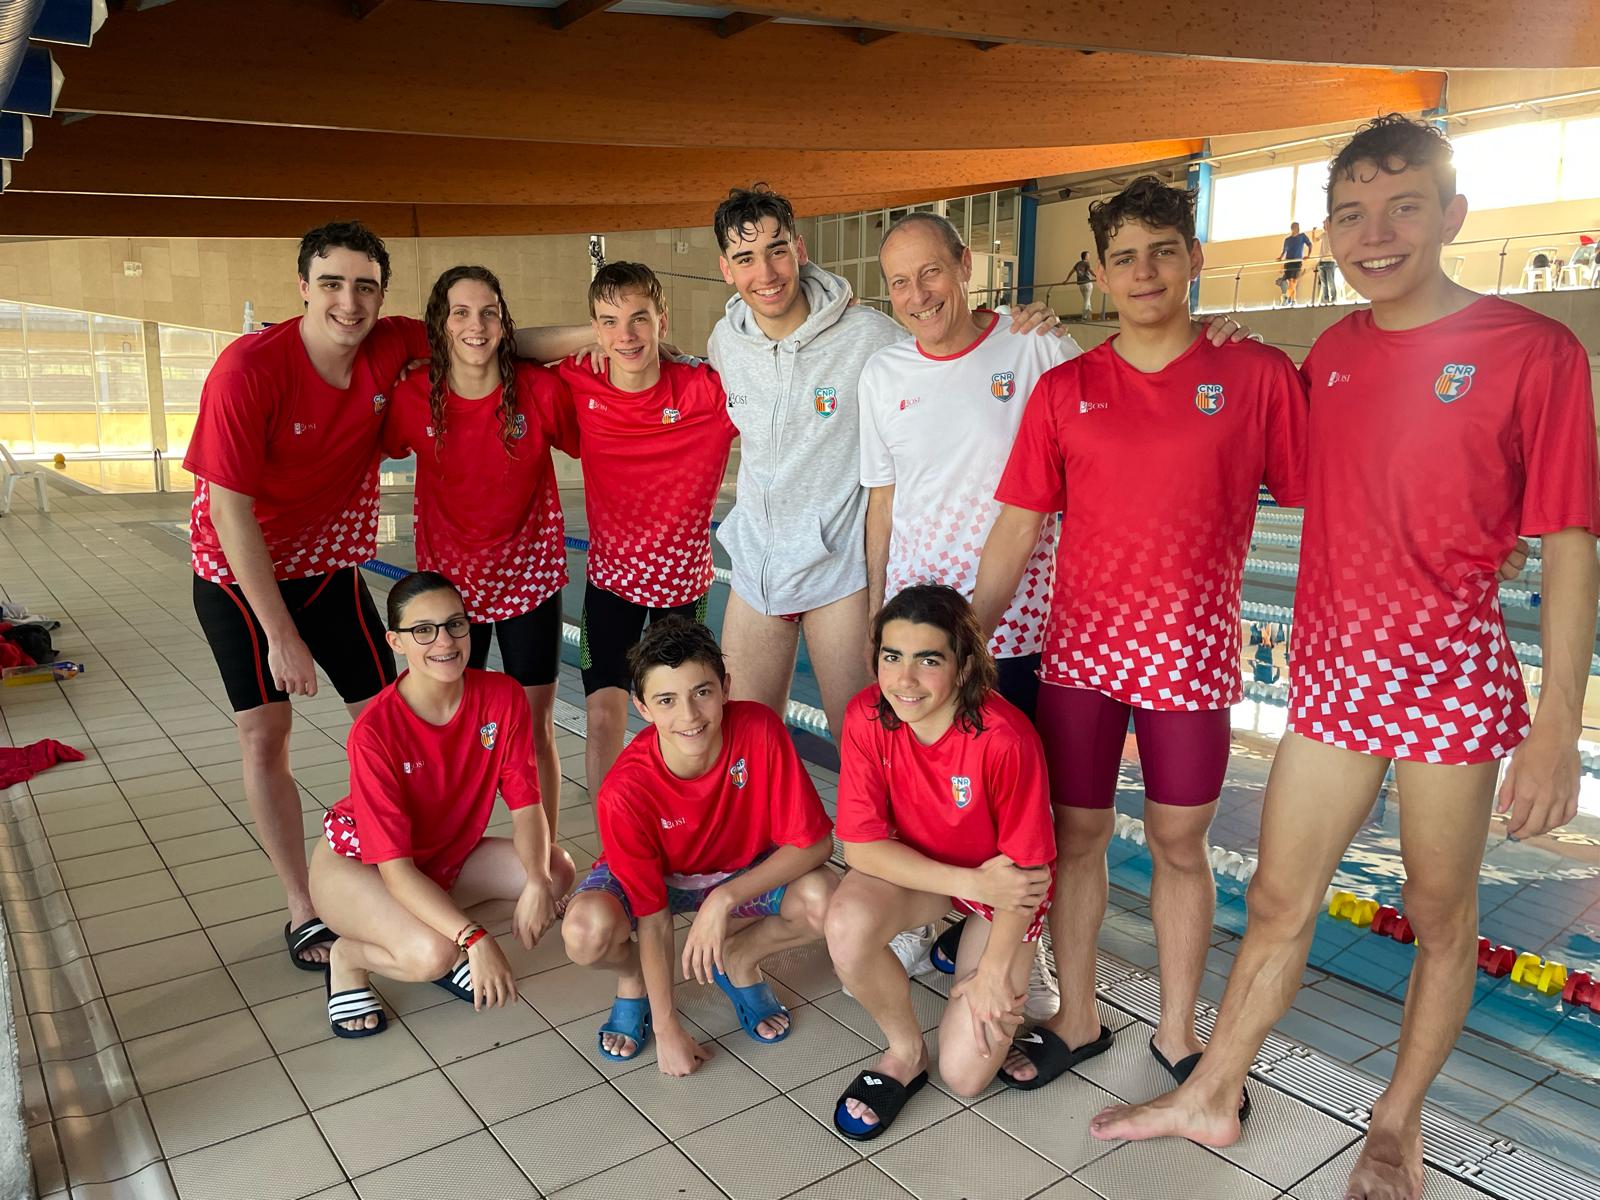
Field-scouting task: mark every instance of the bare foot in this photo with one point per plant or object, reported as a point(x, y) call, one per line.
point(897, 1067)
point(1074, 1033)
point(344, 979)
point(1390, 1167)
point(1172, 1115)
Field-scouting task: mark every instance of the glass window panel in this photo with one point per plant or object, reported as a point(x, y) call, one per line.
point(10, 326)
point(118, 335)
point(180, 428)
point(981, 235)
point(1311, 195)
point(16, 430)
point(65, 432)
point(1580, 164)
point(125, 430)
point(122, 382)
point(850, 238)
point(179, 339)
point(62, 381)
point(828, 250)
point(1252, 204)
point(56, 329)
point(1518, 164)
point(1005, 224)
point(956, 212)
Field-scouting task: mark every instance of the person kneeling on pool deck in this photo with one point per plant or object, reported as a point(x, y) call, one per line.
point(712, 813)
point(405, 853)
point(943, 800)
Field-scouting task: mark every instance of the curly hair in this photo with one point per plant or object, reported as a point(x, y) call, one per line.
point(670, 642)
point(1394, 143)
point(438, 314)
point(945, 609)
point(745, 209)
point(343, 235)
point(1152, 202)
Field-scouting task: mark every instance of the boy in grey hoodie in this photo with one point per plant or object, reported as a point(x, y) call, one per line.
point(790, 351)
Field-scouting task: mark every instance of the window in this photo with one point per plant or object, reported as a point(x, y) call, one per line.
point(1580, 164)
point(1517, 164)
point(1252, 204)
point(1311, 195)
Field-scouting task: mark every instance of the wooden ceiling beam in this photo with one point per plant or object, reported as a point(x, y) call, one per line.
point(568, 14)
point(1446, 34)
point(45, 215)
point(736, 23)
point(150, 157)
point(443, 68)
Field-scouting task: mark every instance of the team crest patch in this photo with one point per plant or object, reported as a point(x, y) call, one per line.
point(1003, 385)
point(488, 734)
point(826, 400)
point(1454, 381)
point(738, 774)
point(1208, 398)
point(670, 416)
point(519, 427)
point(378, 402)
point(961, 790)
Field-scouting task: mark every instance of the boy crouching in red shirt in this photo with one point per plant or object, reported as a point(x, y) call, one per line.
point(943, 801)
point(712, 813)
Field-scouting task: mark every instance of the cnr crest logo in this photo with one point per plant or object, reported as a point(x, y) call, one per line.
point(488, 734)
point(961, 790)
point(826, 399)
point(1454, 381)
point(519, 427)
point(739, 774)
point(1208, 398)
point(670, 416)
point(1003, 385)
point(378, 402)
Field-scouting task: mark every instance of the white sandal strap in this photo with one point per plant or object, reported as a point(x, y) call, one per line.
point(356, 1002)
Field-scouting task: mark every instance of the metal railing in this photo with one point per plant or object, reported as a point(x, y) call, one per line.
point(1541, 262)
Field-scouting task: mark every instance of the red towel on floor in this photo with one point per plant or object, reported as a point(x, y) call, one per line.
point(22, 763)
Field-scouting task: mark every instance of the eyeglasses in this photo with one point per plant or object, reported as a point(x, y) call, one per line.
point(425, 633)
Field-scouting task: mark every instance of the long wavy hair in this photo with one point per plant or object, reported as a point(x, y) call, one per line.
point(439, 347)
point(945, 609)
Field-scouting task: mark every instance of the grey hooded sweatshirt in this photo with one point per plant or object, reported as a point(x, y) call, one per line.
point(797, 530)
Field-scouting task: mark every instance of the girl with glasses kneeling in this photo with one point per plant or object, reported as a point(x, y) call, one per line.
point(405, 853)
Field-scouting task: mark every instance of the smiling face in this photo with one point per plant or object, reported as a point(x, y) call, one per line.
point(918, 675)
point(444, 658)
point(762, 263)
point(629, 329)
point(684, 703)
point(1147, 272)
point(473, 323)
point(343, 291)
point(927, 287)
point(1386, 230)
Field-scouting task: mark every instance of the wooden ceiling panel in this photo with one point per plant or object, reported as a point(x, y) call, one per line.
point(145, 156)
point(488, 70)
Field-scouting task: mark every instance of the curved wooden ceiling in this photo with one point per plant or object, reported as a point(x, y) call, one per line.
point(201, 118)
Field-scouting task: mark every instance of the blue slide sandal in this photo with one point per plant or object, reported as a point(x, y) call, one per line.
point(753, 1004)
point(629, 1018)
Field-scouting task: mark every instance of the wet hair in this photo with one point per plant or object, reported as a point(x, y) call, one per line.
point(670, 642)
point(613, 279)
point(745, 209)
point(404, 591)
point(344, 235)
point(1394, 144)
point(438, 313)
point(1152, 202)
point(945, 609)
point(948, 233)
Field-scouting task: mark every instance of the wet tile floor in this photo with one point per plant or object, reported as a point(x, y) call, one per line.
point(169, 1049)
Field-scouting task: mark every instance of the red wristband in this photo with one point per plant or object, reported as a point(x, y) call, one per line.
point(473, 937)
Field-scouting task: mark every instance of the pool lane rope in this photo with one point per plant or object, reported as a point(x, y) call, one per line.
point(1579, 990)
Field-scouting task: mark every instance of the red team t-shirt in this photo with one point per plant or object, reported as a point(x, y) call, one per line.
point(487, 518)
point(960, 801)
point(307, 452)
point(1157, 476)
point(1432, 449)
point(757, 795)
point(425, 792)
point(653, 463)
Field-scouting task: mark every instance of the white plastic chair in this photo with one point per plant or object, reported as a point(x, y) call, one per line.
point(1537, 276)
point(1579, 271)
point(14, 473)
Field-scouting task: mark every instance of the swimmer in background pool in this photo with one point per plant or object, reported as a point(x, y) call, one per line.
point(488, 515)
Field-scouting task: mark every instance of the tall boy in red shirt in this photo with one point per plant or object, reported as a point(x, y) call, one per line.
point(709, 812)
point(1443, 424)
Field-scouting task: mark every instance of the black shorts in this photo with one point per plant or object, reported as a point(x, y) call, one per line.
point(1291, 268)
point(1018, 682)
point(335, 617)
point(530, 644)
point(610, 628)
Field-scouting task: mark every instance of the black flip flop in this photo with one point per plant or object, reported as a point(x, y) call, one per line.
point(943, 954)
point(883, 1095)
point(303, 937)
point(1050, 1056)
point(1184, 1067)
